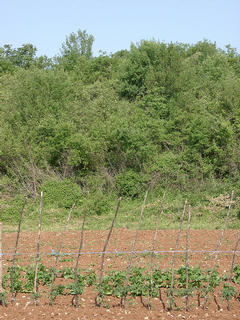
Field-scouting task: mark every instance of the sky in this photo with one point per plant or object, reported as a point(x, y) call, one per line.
point(117, 24)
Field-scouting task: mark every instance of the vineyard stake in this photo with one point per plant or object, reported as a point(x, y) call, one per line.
point(152, 254)
point(174, 257)
point(15, 250)
point(232, 266)
point(187, 256)
point(234, 256)
point(123, 299)
point(2, 300)
point(104, 249)
point(35, 288)
point(216, 255)
point(78, 255)
point(1, 288)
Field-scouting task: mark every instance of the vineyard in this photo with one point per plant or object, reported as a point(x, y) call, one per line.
point(144, 274)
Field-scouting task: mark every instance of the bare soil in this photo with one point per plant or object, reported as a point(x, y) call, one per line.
point(120, 241)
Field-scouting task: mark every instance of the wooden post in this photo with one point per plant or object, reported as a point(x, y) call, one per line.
point(75, 300)
point(15, 251)
point(186, 258)
point(1, 288)
point(152, 257)
point(170, 296)
point(104, 250)
point(2, 292)
point(128, 270)
point(35, 286)
point(216, 255)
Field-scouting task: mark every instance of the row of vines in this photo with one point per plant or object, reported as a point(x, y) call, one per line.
point(200, 284)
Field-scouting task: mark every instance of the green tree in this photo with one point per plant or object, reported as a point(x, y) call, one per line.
point(76, 45)
point(23, 56)
point(151, 64)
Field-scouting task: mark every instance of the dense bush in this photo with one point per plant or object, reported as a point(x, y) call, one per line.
point(129, 183)
point(64, 193)
point(156, 114)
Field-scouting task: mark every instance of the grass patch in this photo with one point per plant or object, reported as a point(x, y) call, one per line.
point(209, 208)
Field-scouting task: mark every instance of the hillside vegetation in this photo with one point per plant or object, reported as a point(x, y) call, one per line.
point(164, 116)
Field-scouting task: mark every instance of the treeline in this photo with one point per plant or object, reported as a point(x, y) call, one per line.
point(159, 114)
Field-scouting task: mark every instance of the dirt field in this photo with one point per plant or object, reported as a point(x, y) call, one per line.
point(121, 240)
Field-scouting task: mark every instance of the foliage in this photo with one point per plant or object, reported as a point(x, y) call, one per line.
point(44, 276)
point(99, 204)
point(62, 192)
point(22, 57)
point(228, 292)
point(129, 183)
point(79, 42)
point(159, 115)
point(56, 291)
point(141, 283)
point(3, 298)
point(76, 288)
point(236, 274)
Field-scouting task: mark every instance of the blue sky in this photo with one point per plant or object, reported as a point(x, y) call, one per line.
point(116, 24)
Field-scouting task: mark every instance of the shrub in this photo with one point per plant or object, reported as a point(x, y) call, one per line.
point(64, 193)
point(99, 203)
point(129, 183)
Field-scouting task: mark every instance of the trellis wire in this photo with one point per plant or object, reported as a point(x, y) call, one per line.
point(117, 252)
